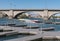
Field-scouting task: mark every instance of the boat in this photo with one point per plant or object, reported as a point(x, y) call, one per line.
point(48, 29)
point(30, 21)
point(31, 27)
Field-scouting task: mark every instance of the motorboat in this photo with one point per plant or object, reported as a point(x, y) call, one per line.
point(30, 21)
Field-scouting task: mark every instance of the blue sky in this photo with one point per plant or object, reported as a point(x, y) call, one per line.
point(30, 4)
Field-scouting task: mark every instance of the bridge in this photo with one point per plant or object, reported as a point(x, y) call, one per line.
point(45, 13)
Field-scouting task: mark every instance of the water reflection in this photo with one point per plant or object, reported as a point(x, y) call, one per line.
point(6, 21)
point(11, 37)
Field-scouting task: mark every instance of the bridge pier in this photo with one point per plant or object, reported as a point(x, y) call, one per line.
point(11, 14)
point(45, 16)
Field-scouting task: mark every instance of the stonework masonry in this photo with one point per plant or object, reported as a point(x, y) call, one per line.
point(45, 13)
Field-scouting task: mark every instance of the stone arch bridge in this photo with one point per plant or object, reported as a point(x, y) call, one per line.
point(45, 13)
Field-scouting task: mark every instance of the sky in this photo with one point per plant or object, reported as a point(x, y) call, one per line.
point(29, 4)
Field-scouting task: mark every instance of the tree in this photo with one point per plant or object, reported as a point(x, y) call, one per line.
point(23, 16)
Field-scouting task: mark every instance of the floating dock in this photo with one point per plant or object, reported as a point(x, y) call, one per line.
point(44, 35)
point(37, 34)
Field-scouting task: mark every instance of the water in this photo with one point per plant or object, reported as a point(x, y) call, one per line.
point(57, 27)
point(6, 21)
point(18, 22)
point(11, 37)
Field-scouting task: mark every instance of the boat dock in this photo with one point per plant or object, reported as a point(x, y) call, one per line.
point(37, 34)
point(27, 38)
point(45, 35)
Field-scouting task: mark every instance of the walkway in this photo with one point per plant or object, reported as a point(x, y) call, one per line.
point(38, 34)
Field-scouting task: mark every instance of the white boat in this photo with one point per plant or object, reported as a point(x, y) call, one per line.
point(30, 21)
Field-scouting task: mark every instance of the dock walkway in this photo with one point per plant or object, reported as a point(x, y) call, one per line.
point(37, 32)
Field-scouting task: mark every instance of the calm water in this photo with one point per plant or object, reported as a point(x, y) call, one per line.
point(11, 37)
point(18, 22)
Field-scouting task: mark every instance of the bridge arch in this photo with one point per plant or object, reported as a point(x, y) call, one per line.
point(18, 14)
point(54, 14)
point(27, 13)
point(3, 15)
